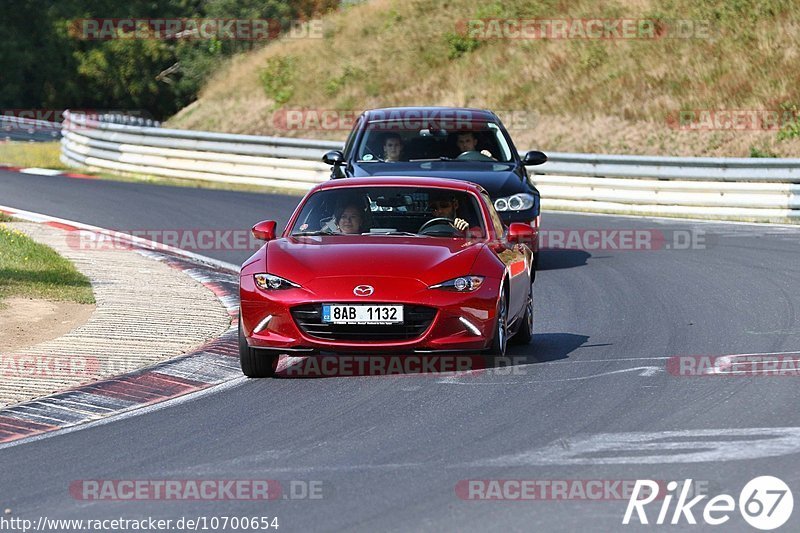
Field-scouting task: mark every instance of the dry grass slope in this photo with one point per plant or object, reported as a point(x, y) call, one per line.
point(585, 95)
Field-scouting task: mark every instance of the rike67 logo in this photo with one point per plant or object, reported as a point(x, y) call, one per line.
point(765, 503)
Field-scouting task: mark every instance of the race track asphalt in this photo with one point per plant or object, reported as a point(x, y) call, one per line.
point(589, 399)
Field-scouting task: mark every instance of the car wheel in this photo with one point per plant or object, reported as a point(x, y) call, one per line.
point(500, 340)
point(255, 363)
point(525, 332)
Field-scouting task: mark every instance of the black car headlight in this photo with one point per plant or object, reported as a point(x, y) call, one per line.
point(516, 202)
point(460, 284)
point(268, 282)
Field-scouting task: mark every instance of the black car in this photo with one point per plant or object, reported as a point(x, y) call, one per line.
point(457, 143)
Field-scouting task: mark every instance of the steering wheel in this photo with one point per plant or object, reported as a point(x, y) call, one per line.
point(473, 155)
point(433, 221)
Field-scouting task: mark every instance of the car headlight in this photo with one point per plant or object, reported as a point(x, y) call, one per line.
point(517, 202)
point(462, 284)
point(268, 282)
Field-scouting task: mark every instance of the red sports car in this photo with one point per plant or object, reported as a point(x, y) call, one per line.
point(386, 265)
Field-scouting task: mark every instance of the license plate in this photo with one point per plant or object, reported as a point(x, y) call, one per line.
point(362, 314)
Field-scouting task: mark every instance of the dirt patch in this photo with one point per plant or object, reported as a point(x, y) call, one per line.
point(25, 321)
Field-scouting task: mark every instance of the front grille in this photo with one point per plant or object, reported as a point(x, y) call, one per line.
point(416, 318)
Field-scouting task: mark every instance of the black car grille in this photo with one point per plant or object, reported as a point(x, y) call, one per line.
point(416, 319)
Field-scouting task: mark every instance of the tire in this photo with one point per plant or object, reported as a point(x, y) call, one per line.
point(525, 332)
point(500, 340)
point(255, 363)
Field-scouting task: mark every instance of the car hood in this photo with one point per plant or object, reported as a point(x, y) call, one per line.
point(499, 179)
point(426, 260)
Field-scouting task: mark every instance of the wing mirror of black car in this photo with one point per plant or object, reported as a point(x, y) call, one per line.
point(519, 232)
point(264, 230)
point(334, 157)
point(534, 157)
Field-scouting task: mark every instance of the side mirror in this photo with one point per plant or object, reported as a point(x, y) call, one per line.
point(264, 230)
point(519, 232)
point(334, 157)
point(534, 157)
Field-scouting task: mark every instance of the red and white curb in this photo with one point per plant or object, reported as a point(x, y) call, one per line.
point(47, 172)
point(207, 366)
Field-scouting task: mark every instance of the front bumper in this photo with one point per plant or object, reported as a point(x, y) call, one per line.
point(462, 321)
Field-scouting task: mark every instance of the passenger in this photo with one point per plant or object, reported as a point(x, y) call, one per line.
point(392, 147)
point(350, 219)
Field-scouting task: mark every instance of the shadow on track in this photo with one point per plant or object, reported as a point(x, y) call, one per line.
point(547, 347)
point(557, 258)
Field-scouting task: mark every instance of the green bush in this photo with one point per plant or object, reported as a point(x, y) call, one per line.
point(337, 83)
point(790, 129)
point(758, 152)
point(276, 78)
point(459, 44)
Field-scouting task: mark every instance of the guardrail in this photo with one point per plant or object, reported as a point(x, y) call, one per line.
point(221, 157)
point(26, 129)
point(761, 189)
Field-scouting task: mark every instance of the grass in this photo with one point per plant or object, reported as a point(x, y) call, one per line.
point(614, 95)
point(32, 154)
point(34, 270)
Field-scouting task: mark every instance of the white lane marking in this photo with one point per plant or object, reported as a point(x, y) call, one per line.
point(603, 360)
point(685, 446)
point(673, 219)
point(136, 410)
point(646, 371)
point(659, 358)
point(146, 243)
point(41, 171)
point(758, 353)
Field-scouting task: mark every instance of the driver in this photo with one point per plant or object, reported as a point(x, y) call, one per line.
point(392, 147)
point(468, 142)
point(444, 205)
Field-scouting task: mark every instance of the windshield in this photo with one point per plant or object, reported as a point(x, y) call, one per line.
point(396, 140)
point(409, 211)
